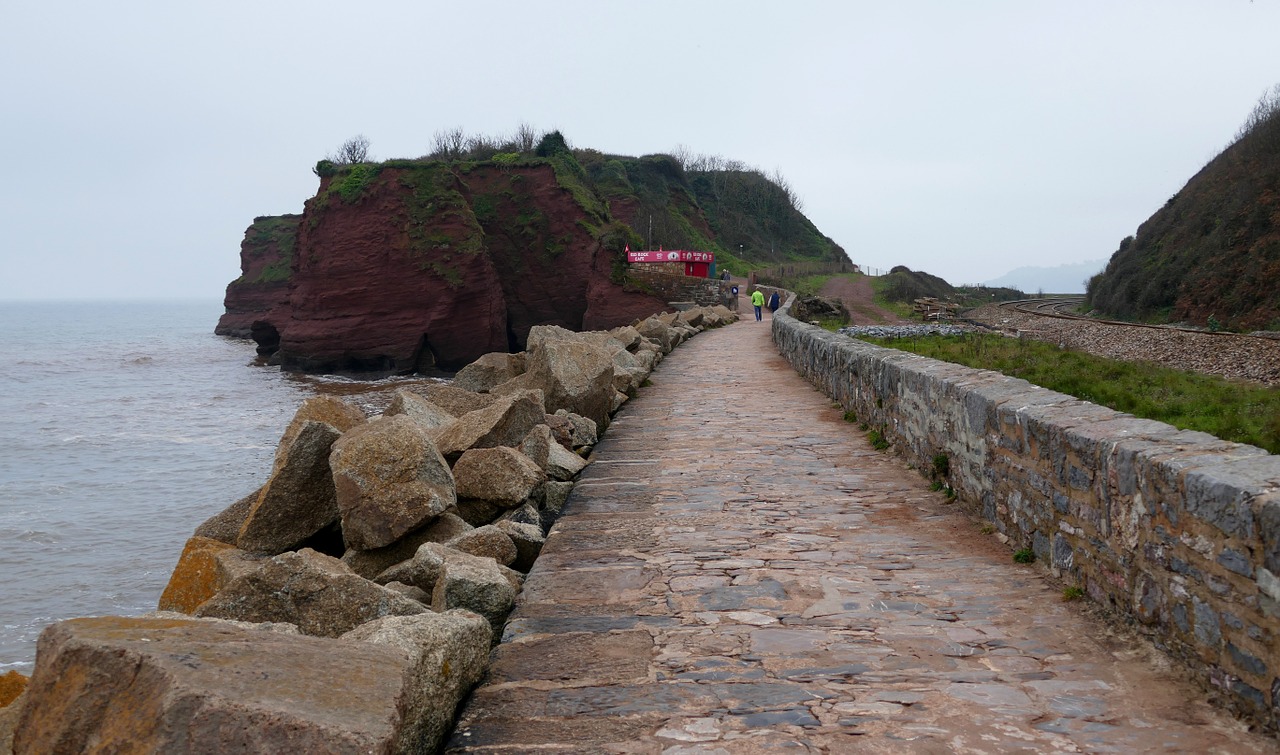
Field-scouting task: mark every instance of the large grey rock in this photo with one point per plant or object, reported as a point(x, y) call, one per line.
point(658, 332)
point(314, 591)
point(574, 376)
point(390, 480)
point(561, 428)
point(563, 464)
point(504, 423)
point(628, 336)
point(692, 317)
point(527, 513)
point(654, 350)
point(410, 592)
point(628, 371)
point(113, 684)
point(540, 335)
point(455, 400)
point(205, 567)
point(488, 542)
point(225, 525)
point(9, 716)
point(299, 499)
point(537, 445)
point(426, 566)
point(476, 584)
point(501, 476)
point(419, 409)
point(528, 540)
point(332, 411)
point(450, 654)
point(646, 360)
point(554, 496)
point(725, 314)
point(489, 371)
point(585, 432)
point(370, 563)
point(257, 626)
point(420, 571)
point(478, 513)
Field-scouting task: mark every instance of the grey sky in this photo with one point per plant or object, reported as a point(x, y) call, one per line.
point(961, 138)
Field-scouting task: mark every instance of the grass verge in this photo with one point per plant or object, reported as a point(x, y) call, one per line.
point(1235, 411)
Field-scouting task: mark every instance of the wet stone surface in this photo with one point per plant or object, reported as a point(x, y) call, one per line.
point(739, 572)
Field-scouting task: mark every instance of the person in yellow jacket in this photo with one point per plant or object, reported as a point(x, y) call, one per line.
point(757, 301)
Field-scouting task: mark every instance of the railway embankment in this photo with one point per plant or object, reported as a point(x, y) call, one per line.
point(1177, 532)
point(1226, 354)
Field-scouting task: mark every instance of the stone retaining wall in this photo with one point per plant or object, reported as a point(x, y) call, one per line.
point(706, 292)
point(1176, 530)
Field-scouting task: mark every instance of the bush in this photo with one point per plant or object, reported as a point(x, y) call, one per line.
point(552, 143)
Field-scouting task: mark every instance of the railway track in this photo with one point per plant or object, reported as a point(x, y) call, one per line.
point(1065, 307)
point(1233, 355)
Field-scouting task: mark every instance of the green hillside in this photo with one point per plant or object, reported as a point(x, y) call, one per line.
point(1211, 255)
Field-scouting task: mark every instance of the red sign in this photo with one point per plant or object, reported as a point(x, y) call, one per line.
point(673, 256)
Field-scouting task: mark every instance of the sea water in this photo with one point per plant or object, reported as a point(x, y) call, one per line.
point(123, 426)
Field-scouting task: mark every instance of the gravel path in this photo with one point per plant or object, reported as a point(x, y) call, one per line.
point(859, 298)
point(1254, 359)
point(738, 572)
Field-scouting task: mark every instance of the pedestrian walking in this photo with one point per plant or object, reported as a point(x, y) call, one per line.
point(757, 301)
point(775, 301)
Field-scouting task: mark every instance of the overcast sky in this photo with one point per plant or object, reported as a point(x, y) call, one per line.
point(960, 138)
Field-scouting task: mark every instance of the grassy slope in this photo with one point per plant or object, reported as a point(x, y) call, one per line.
point(1191, 401)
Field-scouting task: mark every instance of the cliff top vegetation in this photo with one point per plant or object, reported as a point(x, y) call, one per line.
point(748, 218)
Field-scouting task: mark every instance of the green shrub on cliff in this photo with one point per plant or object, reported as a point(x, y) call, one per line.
point(352, 184)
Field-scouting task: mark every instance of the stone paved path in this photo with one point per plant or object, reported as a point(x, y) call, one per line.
point(739, 572)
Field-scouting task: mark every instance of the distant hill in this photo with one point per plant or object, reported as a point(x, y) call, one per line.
point(903, 284)
point(1211, 255)
point(1062, 279)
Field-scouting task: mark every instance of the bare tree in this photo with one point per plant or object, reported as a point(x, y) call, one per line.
point(1266, 111)
point(450, 144)
point(481, 147)
point(354, 150)
point(526, 137)
point(781, 182)
point(683, 155)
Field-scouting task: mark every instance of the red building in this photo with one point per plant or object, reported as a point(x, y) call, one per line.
point(696, 264)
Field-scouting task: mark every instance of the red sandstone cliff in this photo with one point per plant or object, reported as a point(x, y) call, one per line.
point(415, 266)
point(261, 293)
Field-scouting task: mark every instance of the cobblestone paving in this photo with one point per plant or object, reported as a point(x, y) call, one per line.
point(739, 572)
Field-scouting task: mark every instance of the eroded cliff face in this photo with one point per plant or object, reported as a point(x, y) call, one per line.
point(423, 266)
point(262, 290)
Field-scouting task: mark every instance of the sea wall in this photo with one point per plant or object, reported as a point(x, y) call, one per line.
point(705, 292)
point(1176, 531)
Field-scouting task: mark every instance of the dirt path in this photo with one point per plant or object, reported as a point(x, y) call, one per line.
point(739, 572)
point(856, 293)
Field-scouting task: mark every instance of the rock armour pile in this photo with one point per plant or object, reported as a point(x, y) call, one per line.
point(350, 603)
